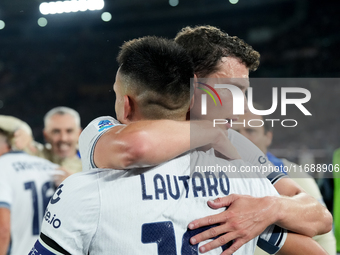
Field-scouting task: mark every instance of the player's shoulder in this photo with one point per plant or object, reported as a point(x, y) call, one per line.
point(97, 126)
point(81, 180)
point(78, 190)
point(81, 186)
point(90, 136)
point(101, 123)
point(237, 138)
point(95, 129)
point(247, 149)
point(233, 134)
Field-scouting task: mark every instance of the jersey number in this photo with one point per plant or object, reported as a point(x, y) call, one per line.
point(163, 234)
point(44, 198)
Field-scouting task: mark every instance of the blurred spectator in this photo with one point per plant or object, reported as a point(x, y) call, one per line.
point(22, 132)
point(262, 137)
point(26, 186)
point(61, 132)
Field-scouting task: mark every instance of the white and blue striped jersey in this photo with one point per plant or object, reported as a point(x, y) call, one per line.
point(26, 185)
point(143, 211)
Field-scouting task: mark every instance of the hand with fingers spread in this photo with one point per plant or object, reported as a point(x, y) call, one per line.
point(245, 218)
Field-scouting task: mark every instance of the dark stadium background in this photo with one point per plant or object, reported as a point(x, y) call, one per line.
point(71, 61)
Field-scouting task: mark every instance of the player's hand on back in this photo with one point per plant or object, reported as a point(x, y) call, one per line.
point(225, 148)
point(245, 218)
point(215, 137)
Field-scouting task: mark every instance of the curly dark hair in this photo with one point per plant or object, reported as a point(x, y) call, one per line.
point(207, 45)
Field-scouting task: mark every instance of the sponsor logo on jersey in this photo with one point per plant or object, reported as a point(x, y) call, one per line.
point(55, 199)
point(104, 124)
point(54, 221)
point(262, 160)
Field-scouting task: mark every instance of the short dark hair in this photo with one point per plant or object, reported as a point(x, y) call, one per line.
point(159, 69)
point(207, 45)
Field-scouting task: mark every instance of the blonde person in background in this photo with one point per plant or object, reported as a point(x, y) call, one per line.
point(22, 132)
point(26, 186)
point(262, 138)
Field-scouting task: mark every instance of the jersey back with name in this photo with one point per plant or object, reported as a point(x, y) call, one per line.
point(138, 211)
point(26, 185)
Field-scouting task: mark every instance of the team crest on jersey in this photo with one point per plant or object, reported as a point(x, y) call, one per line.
point(104, 124)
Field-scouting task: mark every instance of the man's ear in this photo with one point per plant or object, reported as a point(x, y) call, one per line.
point(128, 109)
point(45, 135)
point(195, 84)
point(80, 130)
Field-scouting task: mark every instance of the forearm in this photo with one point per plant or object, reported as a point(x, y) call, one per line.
point(301, 245)
point(147, 143)
point(5, 230)
point(4, 243)
point(174, 138)
point(303, 214)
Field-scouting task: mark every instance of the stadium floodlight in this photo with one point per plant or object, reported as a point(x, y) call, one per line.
point(42, 22)
point(173, 3)
point(106, 16)
point(44, 8)
point(70, 6)
point(2, 24)
point(83, 6)
point(59, 7)
point(233, 1)
point(95, 5)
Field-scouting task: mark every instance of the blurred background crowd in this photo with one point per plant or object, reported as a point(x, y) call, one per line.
point(71, 61)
